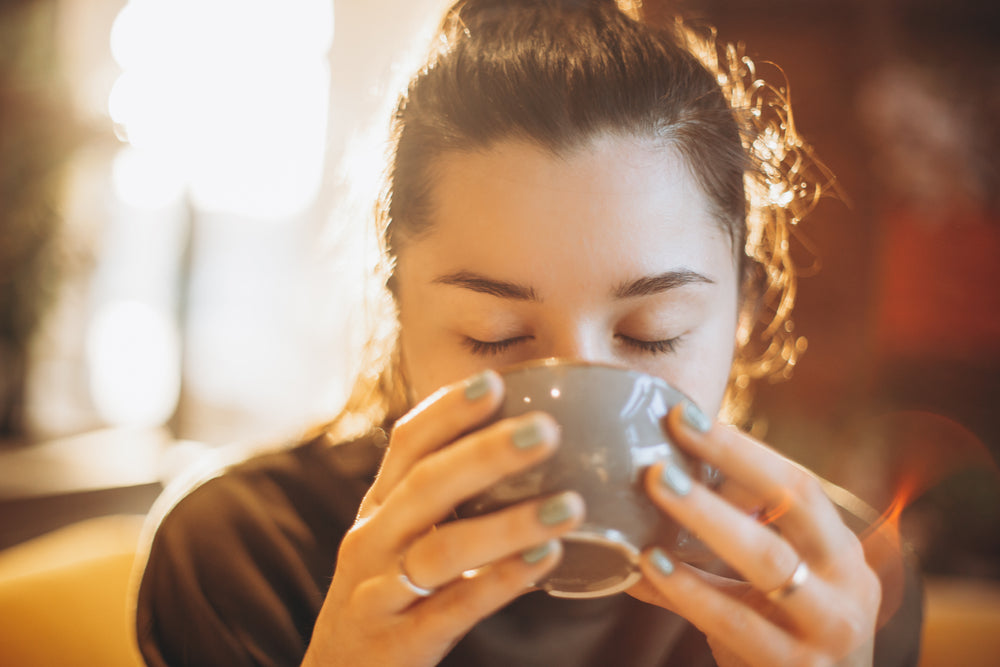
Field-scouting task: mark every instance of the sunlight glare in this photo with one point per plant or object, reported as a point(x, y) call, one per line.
point(234, 93)
point(133, 352)
point(144, 181)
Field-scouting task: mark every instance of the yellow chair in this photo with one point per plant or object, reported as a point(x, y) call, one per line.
point(961, 623)
point(63, 596)
point(64, 601)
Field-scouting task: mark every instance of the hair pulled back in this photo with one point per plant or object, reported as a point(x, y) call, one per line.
point(559, 73)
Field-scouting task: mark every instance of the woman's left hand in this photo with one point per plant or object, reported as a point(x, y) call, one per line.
point(810, 596)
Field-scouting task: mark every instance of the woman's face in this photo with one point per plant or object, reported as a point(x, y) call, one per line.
point(608, 254)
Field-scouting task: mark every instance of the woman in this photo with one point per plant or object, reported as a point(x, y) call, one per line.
point(566, 182)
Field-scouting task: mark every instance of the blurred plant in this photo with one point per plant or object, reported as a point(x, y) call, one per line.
point(37, 135)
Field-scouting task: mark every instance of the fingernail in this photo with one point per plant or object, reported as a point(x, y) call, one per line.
point(695, 418)
point(556, 510)
point(674, 478)
point(535, 554)
point(528, 435)
point(661, 561)
point(477, 386)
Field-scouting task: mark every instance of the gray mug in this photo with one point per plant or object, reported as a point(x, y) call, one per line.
point(611, 423)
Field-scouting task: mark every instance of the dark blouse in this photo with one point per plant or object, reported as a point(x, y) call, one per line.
point(239, 566)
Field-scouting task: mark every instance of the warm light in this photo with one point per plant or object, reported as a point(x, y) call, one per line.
point(145, 181)
point(133, 353)
point(780, 195)
point(234, 93)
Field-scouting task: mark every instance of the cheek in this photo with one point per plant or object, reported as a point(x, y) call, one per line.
point(427, 356)
point(417, 355)
point(416, 344)
point(704, 374)
point(428, 361)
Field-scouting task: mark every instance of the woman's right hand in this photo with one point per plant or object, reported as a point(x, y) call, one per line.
point(436, 459)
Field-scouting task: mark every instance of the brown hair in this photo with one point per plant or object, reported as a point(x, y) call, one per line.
point(557, 73)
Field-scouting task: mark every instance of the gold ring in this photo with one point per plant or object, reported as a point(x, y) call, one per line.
point(791, 584)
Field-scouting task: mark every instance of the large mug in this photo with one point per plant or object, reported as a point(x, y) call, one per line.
point(611, 423)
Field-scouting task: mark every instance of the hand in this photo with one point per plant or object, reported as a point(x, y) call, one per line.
point(398, 595)
point(809, 597)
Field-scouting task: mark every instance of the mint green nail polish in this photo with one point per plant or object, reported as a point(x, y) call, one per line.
point(695, 418)
point(661, 562)
point(675, 479)
point(528, 435)
point(535, 554)
point(555, 510)
point(478, 386)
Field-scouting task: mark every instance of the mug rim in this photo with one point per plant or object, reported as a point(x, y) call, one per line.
point(568, 362)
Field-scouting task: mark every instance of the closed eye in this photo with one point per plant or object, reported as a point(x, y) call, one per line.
point(487, 348)
point(650, 346)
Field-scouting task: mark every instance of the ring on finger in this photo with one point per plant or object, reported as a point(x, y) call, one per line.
point(405, 579)
point(790, 585)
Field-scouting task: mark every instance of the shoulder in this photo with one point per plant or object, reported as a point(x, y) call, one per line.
point(248, 501)
point(238, 557)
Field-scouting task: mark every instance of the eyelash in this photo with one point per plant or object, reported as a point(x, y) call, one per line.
point(485, 348)
point(651, 346)
point(493, 348)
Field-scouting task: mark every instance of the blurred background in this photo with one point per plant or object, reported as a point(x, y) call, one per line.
point(185, 190)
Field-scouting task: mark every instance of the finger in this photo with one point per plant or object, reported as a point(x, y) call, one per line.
point(753, 550)
point(513, 575)
point(438, 420)
point(740, 497)
point(645, 591)
point(816, 608)
point(735, 493)
point(722, 618)
point(444, 554)
point(793, 499)
point(458, 606)
point(442, 480)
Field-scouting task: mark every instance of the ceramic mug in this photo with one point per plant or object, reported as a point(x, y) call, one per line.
point(611, 423)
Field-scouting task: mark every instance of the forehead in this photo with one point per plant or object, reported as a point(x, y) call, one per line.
point(617, 205)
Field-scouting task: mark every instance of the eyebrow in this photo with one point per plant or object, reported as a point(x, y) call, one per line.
point(484, 285)
point(663, 282)
point(645, 286)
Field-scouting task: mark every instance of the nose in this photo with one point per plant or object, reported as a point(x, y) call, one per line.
point(579, 342)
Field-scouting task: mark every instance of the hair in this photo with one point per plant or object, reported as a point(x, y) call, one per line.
point(559, 73)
